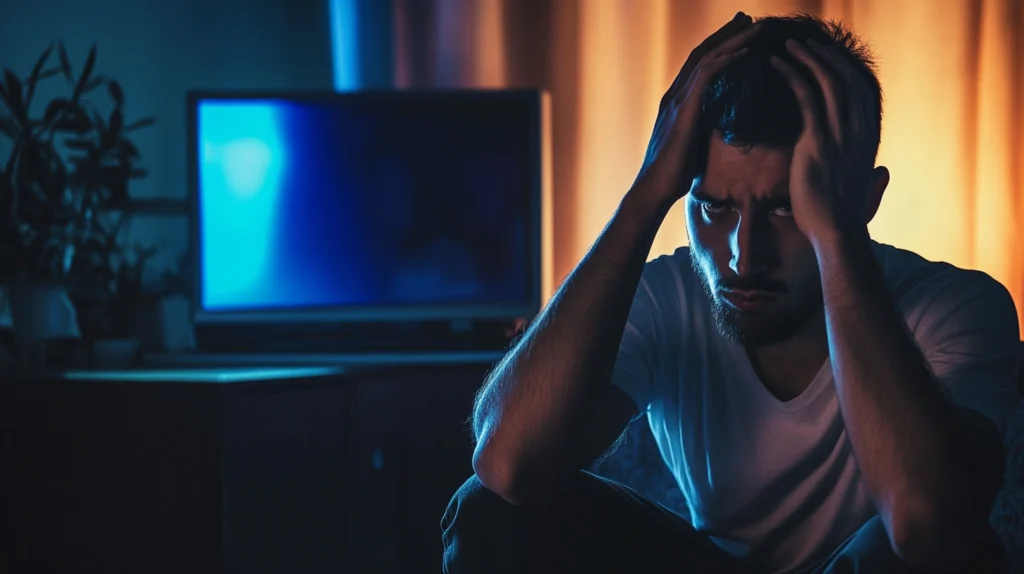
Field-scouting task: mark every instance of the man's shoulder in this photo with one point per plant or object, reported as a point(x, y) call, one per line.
point(939, 289)
point(671, 285)
point(679, 258)
point(906, 271)
point(671, 273)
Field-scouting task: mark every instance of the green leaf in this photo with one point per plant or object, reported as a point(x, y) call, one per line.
point(54, 110)
point(14, 101)
point(65, 63)
point(94, 83)
point(116, 124)
point(33, 79)
point(127, 151)
point(98, 122)
point(90, 61)
point(75, 119)
point(8, 128)
point(116, 93)
point(137, 124)
point(47, 74)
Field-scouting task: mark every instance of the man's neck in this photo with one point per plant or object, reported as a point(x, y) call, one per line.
point(787, 368)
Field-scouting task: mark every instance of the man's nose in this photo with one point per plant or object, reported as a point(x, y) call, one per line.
point(751, 247)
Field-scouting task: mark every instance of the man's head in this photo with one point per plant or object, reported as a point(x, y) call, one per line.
point(759, 271)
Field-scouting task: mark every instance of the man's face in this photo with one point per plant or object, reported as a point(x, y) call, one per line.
point(759, 271)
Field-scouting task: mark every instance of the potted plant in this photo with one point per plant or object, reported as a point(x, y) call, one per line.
point(68, 171)
point(108, 291)
point(162, 316)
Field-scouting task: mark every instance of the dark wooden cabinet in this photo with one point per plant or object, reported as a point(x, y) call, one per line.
point(340, 472)
point(410, 449)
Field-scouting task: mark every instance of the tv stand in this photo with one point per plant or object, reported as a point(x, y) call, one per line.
point(272, 470)
point(326, 338)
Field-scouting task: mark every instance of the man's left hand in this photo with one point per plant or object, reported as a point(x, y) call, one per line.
point(830, 174)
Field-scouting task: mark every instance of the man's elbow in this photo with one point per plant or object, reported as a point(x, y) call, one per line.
point(935, 548)
point(498, 472)
point(510, 477)
point(941, 538)
point(915, 542)
point(495, 475)
point(942, 532)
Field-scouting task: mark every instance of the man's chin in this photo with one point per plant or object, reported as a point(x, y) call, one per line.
point(753, 329)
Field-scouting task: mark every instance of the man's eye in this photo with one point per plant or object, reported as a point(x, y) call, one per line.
point(714, 208)
point(783, 210)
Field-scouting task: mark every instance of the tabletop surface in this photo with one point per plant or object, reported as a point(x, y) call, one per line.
point(213, 375)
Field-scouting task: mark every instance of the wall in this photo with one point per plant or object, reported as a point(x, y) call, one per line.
point(159, 49)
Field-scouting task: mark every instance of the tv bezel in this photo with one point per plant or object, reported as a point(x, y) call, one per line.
point(455, 312)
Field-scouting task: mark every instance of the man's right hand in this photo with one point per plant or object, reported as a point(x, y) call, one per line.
point(669, 167)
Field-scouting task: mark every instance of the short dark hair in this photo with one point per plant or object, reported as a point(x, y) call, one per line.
point(749, 103)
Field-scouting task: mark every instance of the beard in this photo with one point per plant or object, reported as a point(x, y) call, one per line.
point(758, 329)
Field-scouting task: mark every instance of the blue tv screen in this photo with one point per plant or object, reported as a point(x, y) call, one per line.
point(381, 200)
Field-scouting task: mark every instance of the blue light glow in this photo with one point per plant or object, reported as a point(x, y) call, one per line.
point(240, 170)
point(361, 200)
point(344, 16)
point(221, 375)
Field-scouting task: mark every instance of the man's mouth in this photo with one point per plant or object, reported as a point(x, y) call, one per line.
point(748, 301)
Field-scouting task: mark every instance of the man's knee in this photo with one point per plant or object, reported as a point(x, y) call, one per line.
point(479, 530)
point(471, 507)
point(482, 532)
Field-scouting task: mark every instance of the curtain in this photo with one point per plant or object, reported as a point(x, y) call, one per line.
point(952, 73)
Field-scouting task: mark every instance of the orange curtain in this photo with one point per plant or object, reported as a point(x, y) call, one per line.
point(952, 73)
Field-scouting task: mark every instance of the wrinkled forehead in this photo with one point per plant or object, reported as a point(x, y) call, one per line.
point(737, 172)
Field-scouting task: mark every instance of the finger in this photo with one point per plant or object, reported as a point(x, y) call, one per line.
point(735, 42)
point(715, 63)
point(738, 23)
point(827, 82)
point(802, 91)
point(862, 114)
point(852, 85)
point(715, 60)
point(839, 65)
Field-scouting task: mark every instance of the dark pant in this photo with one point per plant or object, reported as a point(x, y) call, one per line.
point(595, 525)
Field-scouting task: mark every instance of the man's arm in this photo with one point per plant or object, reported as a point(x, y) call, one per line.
point(554, 387)
point(549, 406)
point(932, 468)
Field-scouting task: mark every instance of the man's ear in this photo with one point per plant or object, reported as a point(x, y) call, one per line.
point(879, 181)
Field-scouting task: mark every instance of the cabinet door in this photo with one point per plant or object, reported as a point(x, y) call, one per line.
point(284, 473)
point(113, 477)
point(410, 450)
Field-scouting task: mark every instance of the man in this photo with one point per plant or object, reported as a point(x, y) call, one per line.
point(826, 403)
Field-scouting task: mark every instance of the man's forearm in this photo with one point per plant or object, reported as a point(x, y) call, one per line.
point(900, 424)
point(528, 408)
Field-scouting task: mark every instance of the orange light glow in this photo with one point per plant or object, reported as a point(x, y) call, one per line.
point(952, 73)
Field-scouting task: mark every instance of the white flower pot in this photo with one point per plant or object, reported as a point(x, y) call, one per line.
point(40, 312)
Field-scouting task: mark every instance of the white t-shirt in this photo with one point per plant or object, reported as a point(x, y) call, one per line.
point(775, 481)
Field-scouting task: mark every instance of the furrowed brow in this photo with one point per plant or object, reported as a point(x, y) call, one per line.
point(699, 195)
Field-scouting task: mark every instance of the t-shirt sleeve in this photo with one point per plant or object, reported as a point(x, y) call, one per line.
point(635, 363)
point(970, 338)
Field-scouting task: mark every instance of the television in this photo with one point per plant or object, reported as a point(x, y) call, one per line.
point(368, 207)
